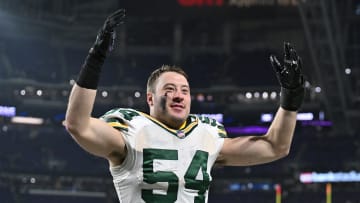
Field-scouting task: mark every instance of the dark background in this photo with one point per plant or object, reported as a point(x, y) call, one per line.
point(224, 46)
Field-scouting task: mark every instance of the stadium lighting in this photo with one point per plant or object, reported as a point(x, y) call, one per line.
point(32, 180)
point(306, 116)
point(7, 111)
point(22, 92)
point(39, 93)
point(200, 97)
point(137, 94)
point(273, 95)
point(248, 95)
point(347, 71)
point(27, 120)
point(314, 177)
point(266, 117)
point(265, 95)
point(5, 128)
point(65, 93)
point(104, 94)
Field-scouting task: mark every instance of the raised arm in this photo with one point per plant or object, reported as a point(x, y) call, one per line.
point(275, 144)
point(92, 134)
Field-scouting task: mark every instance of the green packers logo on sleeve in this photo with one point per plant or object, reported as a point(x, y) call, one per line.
point(221, 130)
point(127, 114)
point(116, 117)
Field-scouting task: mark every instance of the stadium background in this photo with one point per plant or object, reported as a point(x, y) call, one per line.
point(224, 46)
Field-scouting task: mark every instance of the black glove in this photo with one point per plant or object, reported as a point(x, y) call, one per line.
point(90, 72)
point(290, 78)
point(106, 36)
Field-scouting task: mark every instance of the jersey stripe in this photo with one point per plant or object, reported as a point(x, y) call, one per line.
point(118, 125)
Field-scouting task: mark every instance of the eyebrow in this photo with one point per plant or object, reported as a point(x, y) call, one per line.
point(172, 84)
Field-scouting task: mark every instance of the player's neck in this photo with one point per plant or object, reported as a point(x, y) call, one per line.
point(173, 124)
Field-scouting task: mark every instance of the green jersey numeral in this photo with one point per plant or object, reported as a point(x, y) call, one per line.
point(152, 177)
point(198, 163)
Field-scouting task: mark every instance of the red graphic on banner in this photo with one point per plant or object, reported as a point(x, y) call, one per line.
point(200, 3)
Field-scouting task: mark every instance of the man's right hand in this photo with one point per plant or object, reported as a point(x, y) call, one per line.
point(106, 36)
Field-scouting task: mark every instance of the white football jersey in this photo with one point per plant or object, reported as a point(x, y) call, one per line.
point(164, 164)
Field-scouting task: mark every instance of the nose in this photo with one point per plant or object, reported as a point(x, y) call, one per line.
point(177, 96)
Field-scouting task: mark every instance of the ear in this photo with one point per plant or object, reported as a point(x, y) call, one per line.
point(150, 98)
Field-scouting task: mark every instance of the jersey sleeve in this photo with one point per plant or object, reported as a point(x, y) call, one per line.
point(119, 119)
point(216, 134)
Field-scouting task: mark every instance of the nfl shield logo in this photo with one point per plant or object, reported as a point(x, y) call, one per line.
point(180, 134)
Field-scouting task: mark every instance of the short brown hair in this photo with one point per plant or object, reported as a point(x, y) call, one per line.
point(163, 69)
